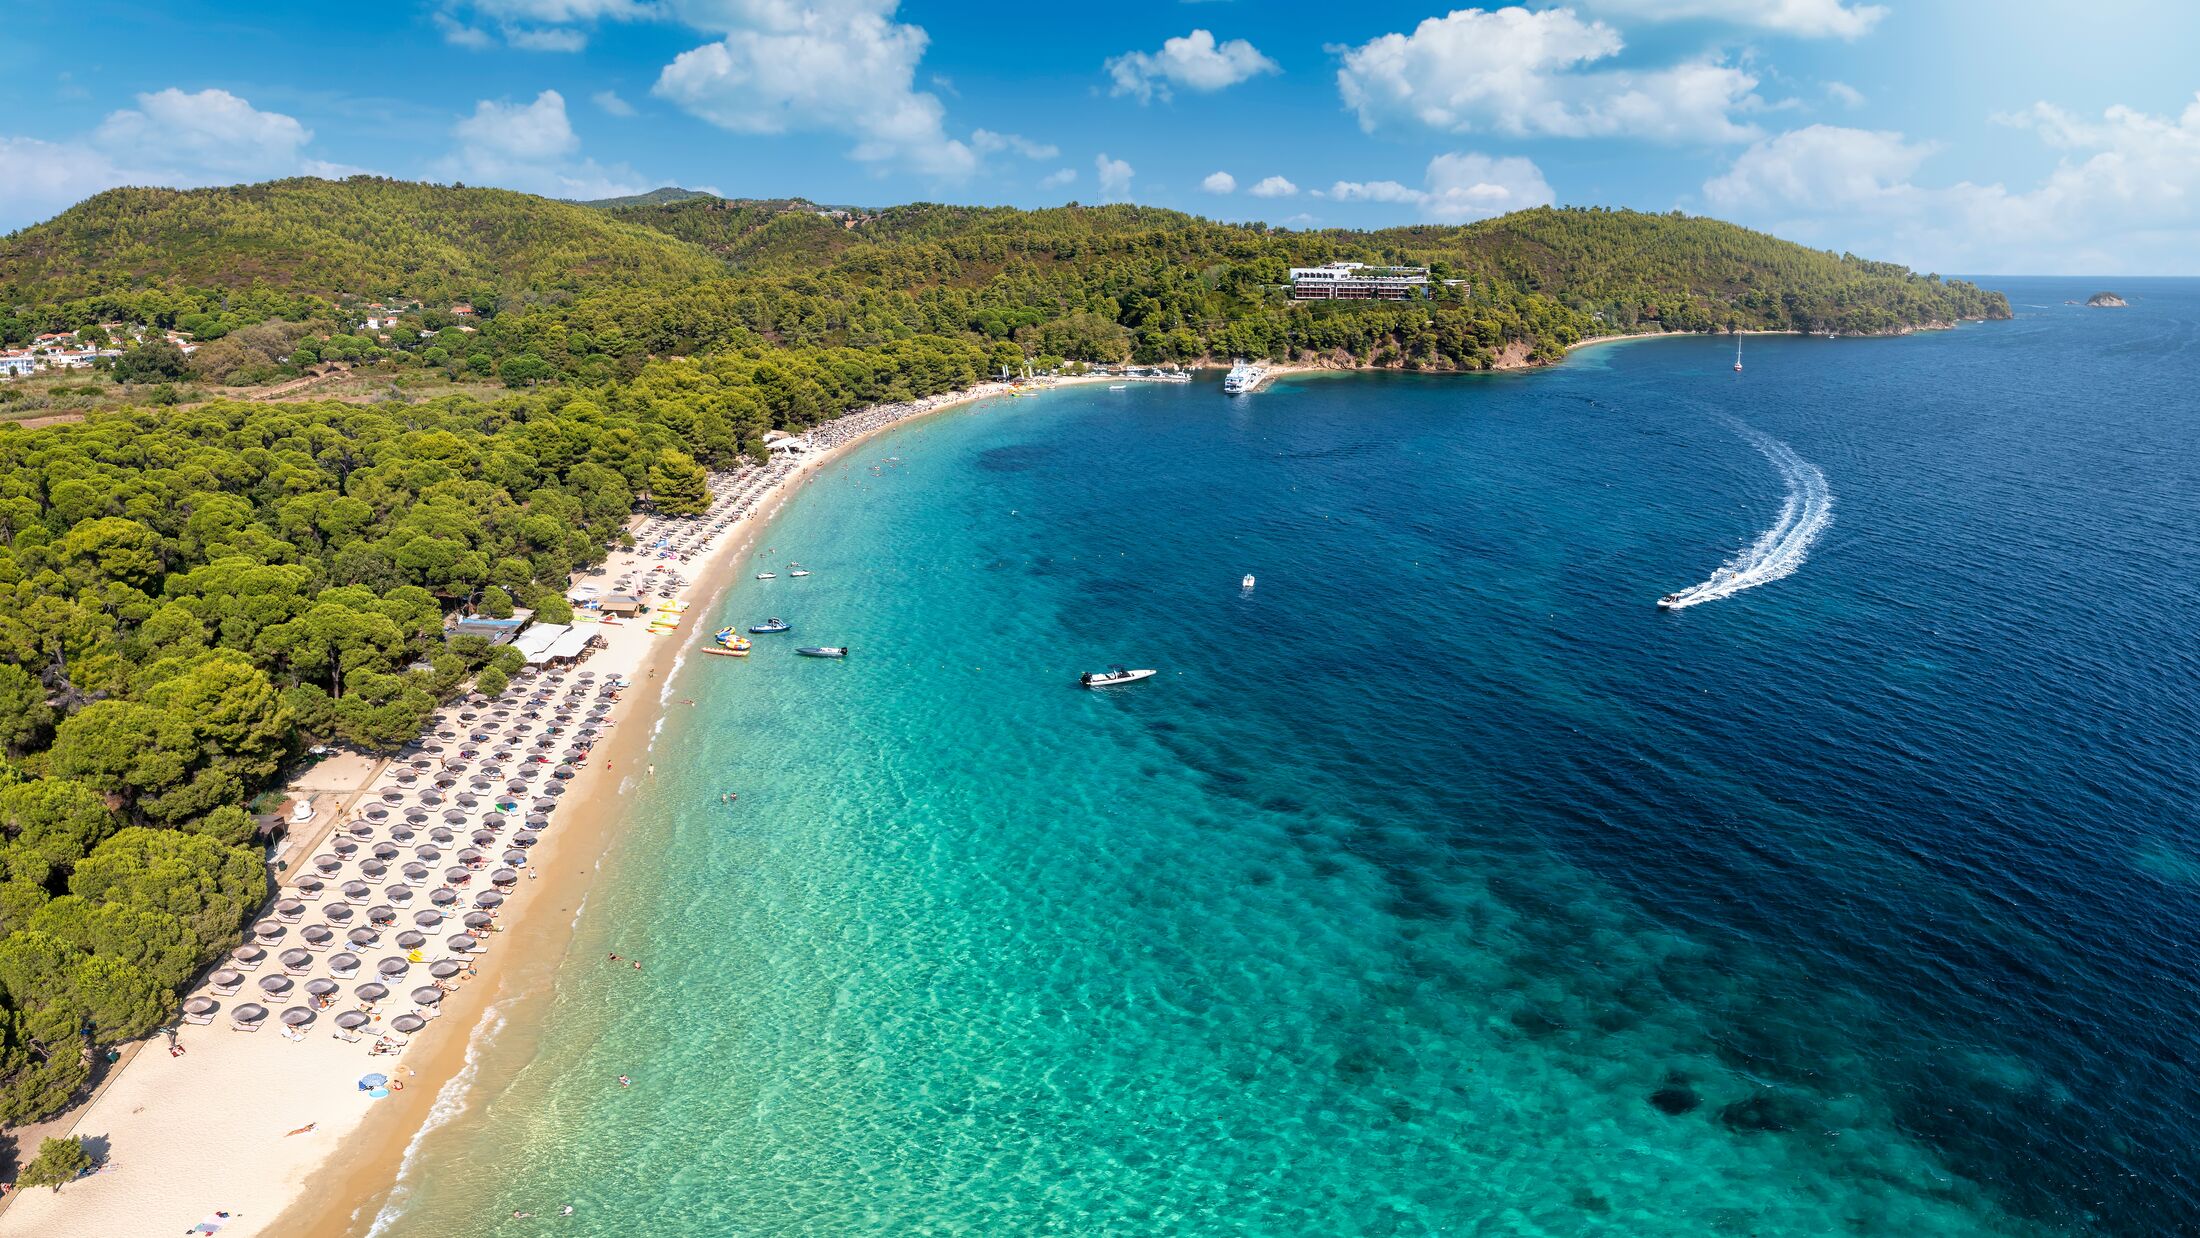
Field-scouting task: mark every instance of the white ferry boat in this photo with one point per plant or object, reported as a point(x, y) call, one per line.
point(1242, 378)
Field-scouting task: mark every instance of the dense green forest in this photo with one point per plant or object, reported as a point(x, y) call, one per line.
point(191, 594)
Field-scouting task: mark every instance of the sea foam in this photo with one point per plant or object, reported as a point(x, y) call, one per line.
point(1779, 550)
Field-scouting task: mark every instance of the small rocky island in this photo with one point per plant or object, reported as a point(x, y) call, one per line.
point(2104, 300)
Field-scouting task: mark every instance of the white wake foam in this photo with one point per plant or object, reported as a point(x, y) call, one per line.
point(1779, 550)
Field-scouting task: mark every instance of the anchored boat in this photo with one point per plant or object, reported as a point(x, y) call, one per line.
point(771, 625)
point(1112, 676)
point(823, 651)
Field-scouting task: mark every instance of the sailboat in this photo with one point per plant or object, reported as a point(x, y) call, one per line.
point(1737, 352)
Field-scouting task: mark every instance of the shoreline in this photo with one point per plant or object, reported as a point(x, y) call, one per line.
point(233, 1093)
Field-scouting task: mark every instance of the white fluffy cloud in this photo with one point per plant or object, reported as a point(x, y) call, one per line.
point(1115, 176)
point(2124, 199)
point(1841, 19)
point(1058, 178)
point(172, 137)
point(531, 147)
point(611, 104)
point(1194, 61)
point(987, 142)
point(1274, 187)
point(1459, 187)
point(1219, 182)
point(849, 72)
point(1523, 73)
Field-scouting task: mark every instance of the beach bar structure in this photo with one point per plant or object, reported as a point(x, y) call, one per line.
point(551, 644)
point(1357, 281)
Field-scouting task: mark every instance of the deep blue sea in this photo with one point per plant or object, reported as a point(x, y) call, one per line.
point(1441, 883)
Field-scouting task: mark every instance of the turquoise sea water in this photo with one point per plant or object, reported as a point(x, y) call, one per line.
point(1441, 883)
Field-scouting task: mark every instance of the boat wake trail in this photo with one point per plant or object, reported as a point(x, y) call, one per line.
point(1779, 550)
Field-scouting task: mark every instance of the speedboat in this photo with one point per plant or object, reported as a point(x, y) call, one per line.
point(796, 569)
point(1246, 583)
point(1669, 601)
point(767, 575)
point(823, 651)
point(771, 625)
point(1111, 676)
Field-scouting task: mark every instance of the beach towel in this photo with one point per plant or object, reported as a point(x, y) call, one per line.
point(211, 1224)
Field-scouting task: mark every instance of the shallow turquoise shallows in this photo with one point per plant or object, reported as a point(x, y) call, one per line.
point(1442, 882)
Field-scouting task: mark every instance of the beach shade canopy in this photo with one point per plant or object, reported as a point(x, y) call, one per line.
point(441, 835)
point(427, 995)
point(248, 955)
point(431, 798)
point(268, 931)
point(468, 855)
point(201, 1006)
point(516, 858)
point(360, 829)
point(416, 816)
point(345, 848)
point(352, 1021)
point(453, 816)
point(227, 979)
point(386, 851)
point(276, 986)
point(464, 943)
point(456, 874)
point(563, 771)
point(445, 780)
point(526, 838)
point(327, 865)
point(503, 877)
point(407, 1023)
point(428, 853)
point(395, 965)
point(296, 958)
point(372, 991)
point(402, 834)
point(443, 896)
point(483, 838)
point(297, 1016)
point(554, 789)
point(399, 895)
point(249, 1013)
point(338, 913)
point(357, 889)
point(489, 898)
point(289, 909)
point(320, 987)
point(381, 913)
point(317, 934)
point(444, 969)
point(494, 821)
point(362, 937)
point(310, 886)
point(411, 940)
point(478, 920)
point(536, 820)
point(517, 786)
point(427, 917)
point(415, 871)
point(466, 799)
point(342, 966)
point(377, 812)
point(392, 796)
point(374, 870)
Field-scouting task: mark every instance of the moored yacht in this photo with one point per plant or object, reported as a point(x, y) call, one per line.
point(1242, 378)
point(1112, 675)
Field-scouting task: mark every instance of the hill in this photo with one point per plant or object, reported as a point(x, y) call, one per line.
point(365, 235)
point(655, 197)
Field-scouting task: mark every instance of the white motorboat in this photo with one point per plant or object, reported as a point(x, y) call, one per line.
point(796, 569)
point(1243, 377)
point(1112, 676)
point(1246, 583)
point(767, 575)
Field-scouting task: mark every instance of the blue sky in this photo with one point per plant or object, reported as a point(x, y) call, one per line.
point(2012, 137)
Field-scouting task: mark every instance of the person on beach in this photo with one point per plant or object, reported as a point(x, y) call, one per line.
point(625, 1082)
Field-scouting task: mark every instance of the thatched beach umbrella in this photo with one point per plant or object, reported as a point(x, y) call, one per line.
point(318, 936)
point(464, 943)
point(393, 966)
point(343, 966)
point(554, 789)
point(296, 962)
point(248, 1017)
point(427, 853)
point(427, 995)
point(444, 969)
point(226, 981)
point(356, 889)
point(398, 894)
point(483, 838)
point(345, 848)
point(387, 851)
point(416, 816)
point(289, 910)
point(338, 914)
point(471, 857)
point(353, 1020)
point(327, 865)
point(360, 829)
point(563, 771)
point(489, 899)
point(298, 1016)
point(466, 799)
point(372, 991)
point(416, 871)
point(516, 786)
point(381, 913)
point(311, 888)
point(411, 939)
point(320, 987)
point(431, 798)
point(503, 877)
point(268, 932)
point(361, 938)
point(443, 897)
point(526, 838)
point(445, 780)
point(200, 1010)
point(516, 858)
point(407, 1024)
point(277, 986)
point(457, 875)
point(441, 835)
point(375, 871)
point(427, 917)
point(454, 816)
point(392, 796)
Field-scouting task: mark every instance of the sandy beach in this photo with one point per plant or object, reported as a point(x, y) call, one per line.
point(276, 1130)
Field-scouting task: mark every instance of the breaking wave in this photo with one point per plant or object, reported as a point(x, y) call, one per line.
point(1779, 550)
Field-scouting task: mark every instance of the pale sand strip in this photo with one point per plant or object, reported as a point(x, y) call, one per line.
point(208, 1130)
